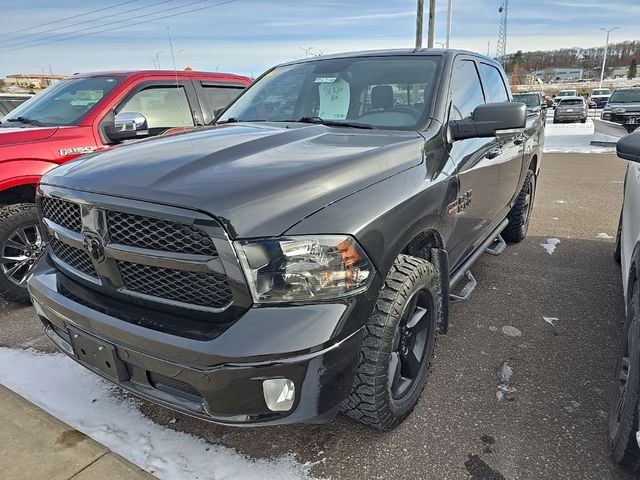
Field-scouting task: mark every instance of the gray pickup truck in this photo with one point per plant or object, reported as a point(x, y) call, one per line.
point(297, 258)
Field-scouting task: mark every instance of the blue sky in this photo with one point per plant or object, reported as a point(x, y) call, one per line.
point(248, 36)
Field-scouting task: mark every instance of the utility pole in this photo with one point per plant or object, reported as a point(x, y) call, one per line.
point(157, 57)
point(449, 19)
point(606, 47)
point(307, 51)
point(488, 47)
point(419, 21)
point(432, 16)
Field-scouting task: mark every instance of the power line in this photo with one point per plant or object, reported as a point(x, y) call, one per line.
point(128, 25)
point(40, 34)
point(48, 39)
point(71, 17)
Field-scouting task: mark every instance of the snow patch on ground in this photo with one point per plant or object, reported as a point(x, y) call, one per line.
point(510, 331)
point(550, 246)
point(86, 402)
point(603, 235)
point(571, 138)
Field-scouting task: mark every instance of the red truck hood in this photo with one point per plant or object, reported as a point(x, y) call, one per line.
point(13, 135)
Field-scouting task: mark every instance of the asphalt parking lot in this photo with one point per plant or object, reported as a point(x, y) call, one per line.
point(551, 422)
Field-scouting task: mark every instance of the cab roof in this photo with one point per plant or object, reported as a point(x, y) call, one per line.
point(164, 73)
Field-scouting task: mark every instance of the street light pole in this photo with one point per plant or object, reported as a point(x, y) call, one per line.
point(419, 21)
point(449, 15)
point(606, 47)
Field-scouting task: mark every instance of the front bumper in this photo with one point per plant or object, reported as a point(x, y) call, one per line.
point(218, 379)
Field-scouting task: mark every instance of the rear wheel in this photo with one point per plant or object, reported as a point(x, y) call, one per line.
point(21, 244)
point(520, 213)
point(623, 410)
point(398, 345)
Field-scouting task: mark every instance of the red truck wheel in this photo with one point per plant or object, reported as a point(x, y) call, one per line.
point(21, 244)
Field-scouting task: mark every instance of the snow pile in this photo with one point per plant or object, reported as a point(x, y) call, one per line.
point(550, 245)
point(86, 402)
point(572, 138)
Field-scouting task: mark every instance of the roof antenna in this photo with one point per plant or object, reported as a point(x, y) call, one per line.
point(178, 89)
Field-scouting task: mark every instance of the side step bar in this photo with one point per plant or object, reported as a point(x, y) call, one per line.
point(496, 243)
point(497, 246)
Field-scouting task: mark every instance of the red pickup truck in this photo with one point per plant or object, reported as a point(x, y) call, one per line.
point(83, 114)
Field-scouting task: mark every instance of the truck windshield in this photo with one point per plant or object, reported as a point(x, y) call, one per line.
point(64, 103)
point(378, 92)
point(600, 92)
point(567, 93)
point(625, 96)
point(529, 99)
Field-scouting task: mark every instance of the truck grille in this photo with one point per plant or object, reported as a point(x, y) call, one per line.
point(74, 257)
point(63, 213)
point(157, 234)
point(128, 261)
point(197, 288)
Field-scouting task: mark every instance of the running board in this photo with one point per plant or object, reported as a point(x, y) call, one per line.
point(467, 290)
point(497, 246)
point(464, 269)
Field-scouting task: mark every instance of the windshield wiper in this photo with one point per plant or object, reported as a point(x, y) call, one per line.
point(28, 121)
point(334, 123)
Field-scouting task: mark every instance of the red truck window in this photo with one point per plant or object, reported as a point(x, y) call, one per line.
point(163, 107)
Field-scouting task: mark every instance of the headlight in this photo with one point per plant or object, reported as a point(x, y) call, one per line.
point(304, 268)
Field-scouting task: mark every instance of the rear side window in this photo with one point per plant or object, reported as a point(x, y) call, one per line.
point(218, 96)
point(466, 90)
point(494, 87)
point(571, 101)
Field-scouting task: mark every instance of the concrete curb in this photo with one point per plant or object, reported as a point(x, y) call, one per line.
point(34, 444)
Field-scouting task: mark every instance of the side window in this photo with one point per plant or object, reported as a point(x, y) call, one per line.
point(493, 84)
point(163, 107)
point(466, 90)
point(217, 96)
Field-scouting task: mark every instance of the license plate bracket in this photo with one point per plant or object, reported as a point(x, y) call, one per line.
point(97, 354)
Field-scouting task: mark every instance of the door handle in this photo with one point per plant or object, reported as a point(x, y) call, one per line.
point(494, 152)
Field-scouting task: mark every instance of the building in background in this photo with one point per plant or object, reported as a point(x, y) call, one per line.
point(559, 74)
point(31, 81)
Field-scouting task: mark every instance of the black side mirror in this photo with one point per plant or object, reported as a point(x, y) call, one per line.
point(487, 120)
point(217, 112)
point(628, 147)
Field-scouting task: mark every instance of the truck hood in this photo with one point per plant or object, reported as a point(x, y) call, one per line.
point(258, 179)
point(13, 135)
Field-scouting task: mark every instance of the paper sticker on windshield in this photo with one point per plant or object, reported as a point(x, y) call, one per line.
point(334, 100)
point(325, 79)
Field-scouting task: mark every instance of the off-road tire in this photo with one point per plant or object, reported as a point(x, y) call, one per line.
point(371, 401)
point(622, 440)
point(520, 213)
point(12, 217)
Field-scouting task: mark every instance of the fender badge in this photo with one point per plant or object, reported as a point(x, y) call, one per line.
point(64, 152)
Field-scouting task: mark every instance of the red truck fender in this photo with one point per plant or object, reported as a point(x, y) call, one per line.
point(23, 172)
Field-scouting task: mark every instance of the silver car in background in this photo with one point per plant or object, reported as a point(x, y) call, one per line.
point(570, 109)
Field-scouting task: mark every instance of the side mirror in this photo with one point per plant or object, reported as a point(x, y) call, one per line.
point(487, 120)
point(628, 147)
point(217, 112)
point(127, 126)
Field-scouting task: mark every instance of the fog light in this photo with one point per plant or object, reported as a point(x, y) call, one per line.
point(279, 394)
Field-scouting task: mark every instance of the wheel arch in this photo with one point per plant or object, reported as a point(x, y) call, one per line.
point(20, 193)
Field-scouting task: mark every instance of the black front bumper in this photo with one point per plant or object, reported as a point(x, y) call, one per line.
point(218, 379)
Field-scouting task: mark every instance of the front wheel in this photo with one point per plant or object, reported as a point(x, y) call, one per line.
point(21, 244)
point(520, 213)
point(397, 348)
point(623, 409)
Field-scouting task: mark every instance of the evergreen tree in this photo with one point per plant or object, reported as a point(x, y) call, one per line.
point(633, 69)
